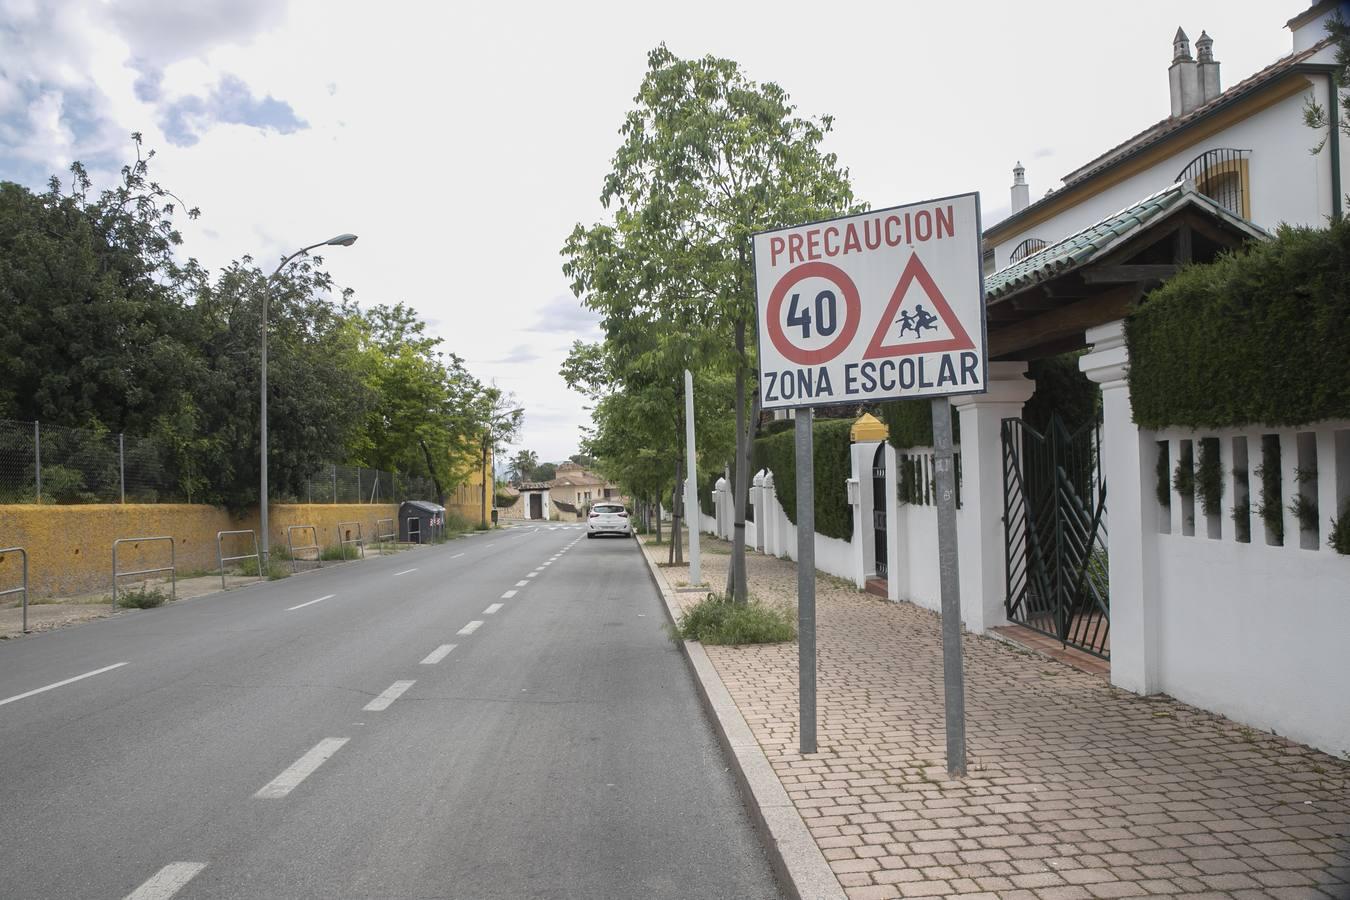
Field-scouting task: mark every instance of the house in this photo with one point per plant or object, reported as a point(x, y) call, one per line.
point(1246, 146)
point(566, 497)
point(1082, 535)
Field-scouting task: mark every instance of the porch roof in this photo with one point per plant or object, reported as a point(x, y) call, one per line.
point(1042, 305)
point(1100, 238)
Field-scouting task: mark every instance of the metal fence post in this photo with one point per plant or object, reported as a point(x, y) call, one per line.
point(122, 463)
point(37, 459)
point(335, 500)
point(358, 484)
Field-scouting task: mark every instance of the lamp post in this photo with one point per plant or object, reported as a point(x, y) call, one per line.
point(342, 240)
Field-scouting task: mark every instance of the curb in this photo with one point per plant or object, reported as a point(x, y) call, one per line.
point(797, 862)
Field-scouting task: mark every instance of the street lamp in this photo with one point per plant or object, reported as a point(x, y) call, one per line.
point(342, 240)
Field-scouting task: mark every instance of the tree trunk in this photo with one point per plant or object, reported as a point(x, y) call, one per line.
point(440, 491)
point(657, 512)
point(737, 587)
point(676, 538)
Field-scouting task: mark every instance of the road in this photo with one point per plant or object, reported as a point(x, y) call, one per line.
point(499, 717)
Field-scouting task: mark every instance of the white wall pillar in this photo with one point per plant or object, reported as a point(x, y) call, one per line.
point(864, 537)
point(1128, 457)
point(893, 561)
point(854, 492)
point(980, 532)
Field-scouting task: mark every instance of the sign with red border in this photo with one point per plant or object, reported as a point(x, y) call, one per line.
point(875, 306)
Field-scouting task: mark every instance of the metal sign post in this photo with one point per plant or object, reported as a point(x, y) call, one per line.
point(953, 674)
point(886, 304)
point(806, 581)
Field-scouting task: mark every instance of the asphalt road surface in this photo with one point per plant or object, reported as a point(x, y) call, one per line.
point(499, 717)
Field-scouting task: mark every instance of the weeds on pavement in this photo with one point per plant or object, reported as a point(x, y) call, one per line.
point(714, 620)
point(141, 598)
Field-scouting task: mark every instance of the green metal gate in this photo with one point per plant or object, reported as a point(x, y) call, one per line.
point(1054, 526)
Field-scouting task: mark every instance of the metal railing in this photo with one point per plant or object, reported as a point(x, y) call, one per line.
point(23, 588)
point(382, 536)
point(1221, 175)
point(171, 568)
point(344, 541)
point(291, 549)
point(413, 520)
point(222, 560)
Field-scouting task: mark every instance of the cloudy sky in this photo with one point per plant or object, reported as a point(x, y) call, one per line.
point(463, 141)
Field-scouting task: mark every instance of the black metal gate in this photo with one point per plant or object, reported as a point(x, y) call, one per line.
point(879, 507)
point(1054, 526)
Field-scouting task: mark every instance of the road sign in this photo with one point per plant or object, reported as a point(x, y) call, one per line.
point(874, 306)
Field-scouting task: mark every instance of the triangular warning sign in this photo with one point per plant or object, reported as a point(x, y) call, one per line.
point(959, 340)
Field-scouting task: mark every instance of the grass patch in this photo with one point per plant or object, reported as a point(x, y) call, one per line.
point(141, 598)
point(276, 568)
point(339, 553)
point(714, 620)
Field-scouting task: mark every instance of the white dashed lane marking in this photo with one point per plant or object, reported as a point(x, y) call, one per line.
point(404, 572)
point(167, 881)
point(301, 769)
point(472, 627)
point(311, 602)
point(508, 595)
point(391, 693)
point(438, 654)
point(62, 683)
point(492, 609)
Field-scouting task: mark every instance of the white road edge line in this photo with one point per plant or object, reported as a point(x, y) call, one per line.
point(404, 572)
point(508, 595)
point(320, 600)
point(472, 627)
point(301, 769)
point(391, 693)
point(62, 683)
point(167, 881)
point(457, 556)
point(438, 654)
point(492, 608)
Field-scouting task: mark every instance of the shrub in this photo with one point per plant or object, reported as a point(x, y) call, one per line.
point(777, 453)
point(715, 620)
point(1340, 532)
point(1268, 473)
point(141, 597)
point(1268, 324)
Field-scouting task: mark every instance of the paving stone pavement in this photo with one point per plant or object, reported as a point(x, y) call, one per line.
point(1076, 789)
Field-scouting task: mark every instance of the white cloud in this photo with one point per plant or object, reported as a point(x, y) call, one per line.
point(463, 142)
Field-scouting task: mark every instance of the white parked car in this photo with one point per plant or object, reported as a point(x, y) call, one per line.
point(608, 518)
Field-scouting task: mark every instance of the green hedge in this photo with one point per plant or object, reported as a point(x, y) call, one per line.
point(909, 423)
point(777, 453)
point(1257, 337)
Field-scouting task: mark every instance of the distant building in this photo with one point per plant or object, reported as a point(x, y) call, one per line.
point(567, 497)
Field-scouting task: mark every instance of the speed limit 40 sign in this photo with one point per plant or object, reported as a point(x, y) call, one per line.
point(875, 306)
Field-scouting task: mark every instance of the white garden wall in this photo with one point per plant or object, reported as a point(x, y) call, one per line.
point(1256, 631)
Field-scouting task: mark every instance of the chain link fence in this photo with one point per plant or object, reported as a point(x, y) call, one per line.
point(54, 464)
point(354, 484)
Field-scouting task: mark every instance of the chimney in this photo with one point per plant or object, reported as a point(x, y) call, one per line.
point(1021, 191)
point(1183, 76)
point(1208, 68)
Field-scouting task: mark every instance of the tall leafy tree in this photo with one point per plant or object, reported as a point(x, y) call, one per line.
point(708, 158)
point(497, 419)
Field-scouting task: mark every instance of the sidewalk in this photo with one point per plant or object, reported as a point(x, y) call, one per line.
point(1075, 788)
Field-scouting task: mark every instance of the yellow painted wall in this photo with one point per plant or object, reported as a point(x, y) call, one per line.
point(468, 501)
point(70, 547)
